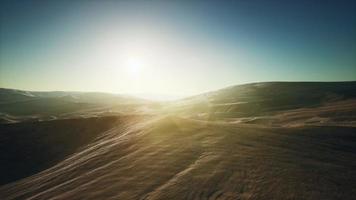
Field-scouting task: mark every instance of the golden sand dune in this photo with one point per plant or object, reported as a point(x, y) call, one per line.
point(174, 158)
point(294, 142)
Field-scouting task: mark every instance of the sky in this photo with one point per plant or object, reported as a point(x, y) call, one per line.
point(173, 47)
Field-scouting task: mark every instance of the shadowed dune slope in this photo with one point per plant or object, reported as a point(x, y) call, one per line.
point(29, 147)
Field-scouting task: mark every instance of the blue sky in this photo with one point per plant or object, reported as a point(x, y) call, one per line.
point(174, 47)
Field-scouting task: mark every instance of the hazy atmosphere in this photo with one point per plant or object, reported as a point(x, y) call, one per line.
point(172, 100)
point(173, 47)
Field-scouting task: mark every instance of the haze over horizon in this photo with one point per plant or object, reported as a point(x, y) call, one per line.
point(173, 48)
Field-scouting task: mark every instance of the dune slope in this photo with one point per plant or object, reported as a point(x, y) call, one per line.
point(29, 147)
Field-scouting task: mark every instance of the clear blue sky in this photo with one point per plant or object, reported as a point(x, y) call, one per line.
point(174, 47)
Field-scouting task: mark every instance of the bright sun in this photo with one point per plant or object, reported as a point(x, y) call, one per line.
point(134, 64)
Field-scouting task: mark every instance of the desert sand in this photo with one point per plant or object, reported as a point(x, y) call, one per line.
point(256, 141)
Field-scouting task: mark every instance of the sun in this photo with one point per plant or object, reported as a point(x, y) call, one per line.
point(134, 64)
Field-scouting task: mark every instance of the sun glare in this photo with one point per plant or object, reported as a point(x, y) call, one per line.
point(134, 64)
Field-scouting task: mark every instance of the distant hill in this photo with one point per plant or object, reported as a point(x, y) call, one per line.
point(262, 98)
point(18, 105)
point(14, 96)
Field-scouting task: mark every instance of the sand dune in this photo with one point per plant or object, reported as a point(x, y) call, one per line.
point(301, 151)
point(174, 158)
